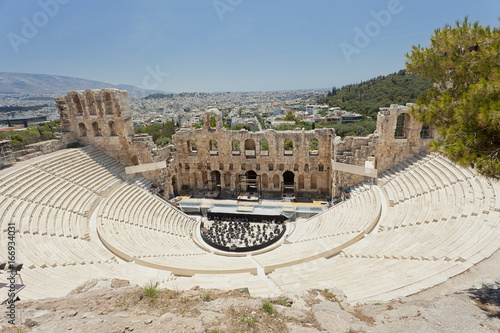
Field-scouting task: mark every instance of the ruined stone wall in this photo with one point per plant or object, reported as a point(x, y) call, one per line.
point(103, 118)
point(310, 169)
point(44, 147)
point(354, 151)
point(208, 155)
point(393, 142)
point(398, 144)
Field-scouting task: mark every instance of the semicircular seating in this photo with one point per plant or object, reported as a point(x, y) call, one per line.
point(76, 219)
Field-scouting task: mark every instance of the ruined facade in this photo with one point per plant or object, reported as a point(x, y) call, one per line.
point(213, 156)
point(216, 155)
point(103, 119)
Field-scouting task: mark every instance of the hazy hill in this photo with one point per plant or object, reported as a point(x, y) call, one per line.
point(368, 96)
point(55, 85)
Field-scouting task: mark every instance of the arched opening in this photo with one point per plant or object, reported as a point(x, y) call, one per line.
point(135, 160)
point(96, 129)
point(192, 146)
point(320, 167)
point(301, 182)
point(118, 110)
point(78, 104)
point(252, 177)
point(174, 186)
point(250, 148)
point(276, 181)
point(249, 144)
point(288, 178)
point(214, 147)
point(227, 179)
point(83, 129)
point(112, 128)
point(212, 122)
point(265, 181)
point(313, 182)
point(401, 126)
point(264, 147)
point(215, 179)
point(425, 132)
point(288, 146)
point(108, 102)
point(313, 147)
point(235, 146)
point(89, 96)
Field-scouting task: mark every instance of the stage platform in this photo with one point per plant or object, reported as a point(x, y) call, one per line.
point(265, 208)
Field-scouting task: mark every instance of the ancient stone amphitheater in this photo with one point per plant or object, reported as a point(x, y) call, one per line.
point(77, 218)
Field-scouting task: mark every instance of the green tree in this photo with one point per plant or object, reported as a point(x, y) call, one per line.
point(463, 62)
point(212, 122)
point(290, 116)
point(163, 141)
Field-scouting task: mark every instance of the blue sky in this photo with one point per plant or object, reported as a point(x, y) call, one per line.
point(223, 45)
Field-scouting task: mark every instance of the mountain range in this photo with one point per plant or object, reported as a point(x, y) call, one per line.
point(55, 85)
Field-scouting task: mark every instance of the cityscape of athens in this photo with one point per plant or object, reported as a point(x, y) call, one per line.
point(250, 166)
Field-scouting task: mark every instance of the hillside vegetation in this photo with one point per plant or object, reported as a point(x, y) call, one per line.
point(368, 96)
point(32, 134)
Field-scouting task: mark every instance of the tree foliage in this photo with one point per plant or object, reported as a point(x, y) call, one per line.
point(32, 134)
point(463, 62)
point(161, 133)
point(367, 97)
point(359, 128)
point(290, 116)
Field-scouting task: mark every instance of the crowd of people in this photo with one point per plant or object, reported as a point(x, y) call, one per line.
point(241, 234)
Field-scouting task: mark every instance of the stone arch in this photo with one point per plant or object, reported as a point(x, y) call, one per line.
point(96, 129)
point(191, 144)
point(108, 102)
point(276, 181)
point(288, 146)
point(212, 122)
point(321, 167)
point(425, 132)
point(301, 182)
point(135, 160)
point(288, 177)
point(314, 182)
point(265, 181)
point(78, 104)
point(83, 129)
point(212, 119)
point(264, 144)
point(214, 145)
point(402, 123)
point(112, 128)
point(313, 146)
point(249, 144)
point(251, 175)
point(215, 178)
point(235, 145)
point(91, 104)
